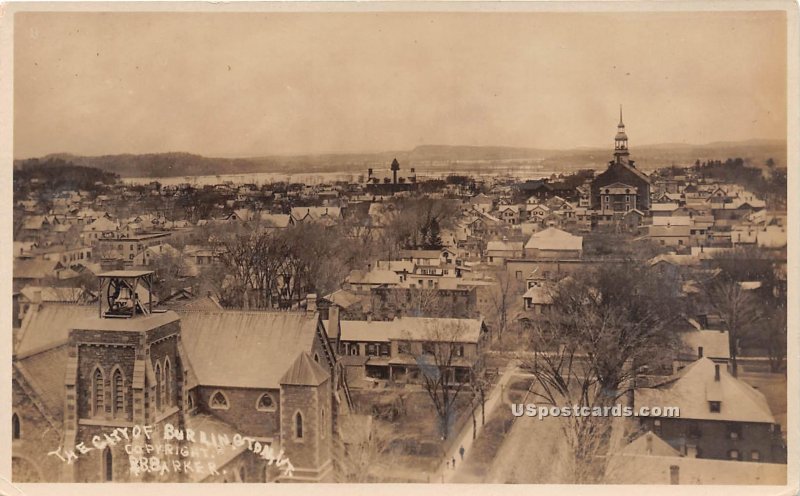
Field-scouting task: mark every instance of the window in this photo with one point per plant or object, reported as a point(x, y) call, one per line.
point(518, 275)
point(674, 474)
point(190, 400)
point(383, 349)
point(372, 349)
point(460, 350)
point(323, 422)
point(108, 465)
point(298, 425)
point(755, 456)
point(118, 390)
point(715, 406)
point(735, 431)
point(316, 357)
point(657, 427)
point(265, 403)
point(354, 351)
point(428, 348)
point(159, 383)
point(167, 384)
point(404, 347)
point(219, 401)
point(733, 454)
point(15, 427)
point(98, 392)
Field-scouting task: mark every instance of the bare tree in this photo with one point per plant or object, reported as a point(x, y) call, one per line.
point(363, 447)
point(503, 297)
point(738, 309)
point(437, 351)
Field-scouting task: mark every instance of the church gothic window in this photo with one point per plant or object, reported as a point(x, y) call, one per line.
point(219, 401)
point(167, 383)
point(108, 465)
point(98, 392)
point(118, 390)
point(15, 427)
point(298, 425)
point(159, 384)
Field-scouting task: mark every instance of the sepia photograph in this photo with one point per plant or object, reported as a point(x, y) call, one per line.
point(366, 243)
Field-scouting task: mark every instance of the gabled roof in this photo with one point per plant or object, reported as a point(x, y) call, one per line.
point(694, 386)
point(715, 344)
point(304, 372)
point(35, 269)
point(504, 246)
point(554, 239)
point(480, 199)
point(49, 325)
point(245, 348)
point(52, 294)
point(649, 444)
point(276, 220)
point(44, 372)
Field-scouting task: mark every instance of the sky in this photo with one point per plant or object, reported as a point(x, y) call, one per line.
point(233, 84)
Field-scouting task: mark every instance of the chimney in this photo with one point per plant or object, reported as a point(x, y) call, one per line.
point(369, 172)
point(716, 372)
point(334, 324)
point(699, 352)
point(311, 302)
point(37, 296)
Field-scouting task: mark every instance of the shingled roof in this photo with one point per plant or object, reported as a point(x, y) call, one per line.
point(245, 348)
point(304, 372)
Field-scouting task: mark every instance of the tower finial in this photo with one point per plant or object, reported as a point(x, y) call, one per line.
point(620, 116)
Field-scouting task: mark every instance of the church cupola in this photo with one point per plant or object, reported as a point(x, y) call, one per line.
point(621, 139)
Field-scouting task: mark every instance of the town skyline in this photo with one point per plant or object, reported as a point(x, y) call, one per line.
point(551, 81)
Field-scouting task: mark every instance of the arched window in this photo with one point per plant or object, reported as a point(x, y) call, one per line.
point(323, 422)
point(219, 401)
point(118, 390)
point(265, 403)
point(298, 425)
point(159, 384)
point(167, 383)
point(190, 400)
point(316, 357)
point(98, 392)
point(108, 465)
point(16, 430)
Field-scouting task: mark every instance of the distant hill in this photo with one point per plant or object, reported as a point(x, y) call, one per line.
point(441, 158)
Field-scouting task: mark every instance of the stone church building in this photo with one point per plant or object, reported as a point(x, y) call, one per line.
point(100, 392)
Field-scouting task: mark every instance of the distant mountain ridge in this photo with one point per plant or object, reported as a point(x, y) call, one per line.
point(451, 158)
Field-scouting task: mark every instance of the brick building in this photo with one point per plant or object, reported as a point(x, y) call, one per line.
point(83, 373)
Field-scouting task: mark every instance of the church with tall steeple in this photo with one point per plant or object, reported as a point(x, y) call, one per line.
point(622, 187)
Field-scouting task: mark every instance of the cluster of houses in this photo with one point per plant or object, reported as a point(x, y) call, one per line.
point(284, 378)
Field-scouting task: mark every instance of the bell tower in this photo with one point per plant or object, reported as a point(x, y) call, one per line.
point(620, 141)
point(124, 368)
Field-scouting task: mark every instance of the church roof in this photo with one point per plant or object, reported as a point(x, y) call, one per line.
point(304, 372)
point(245, 348)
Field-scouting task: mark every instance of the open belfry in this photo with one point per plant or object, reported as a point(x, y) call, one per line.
point(127, 392)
